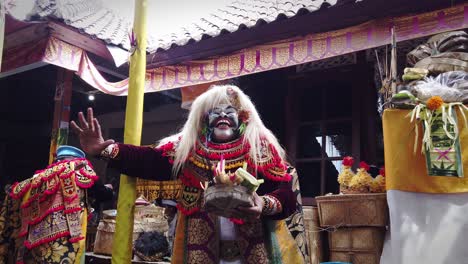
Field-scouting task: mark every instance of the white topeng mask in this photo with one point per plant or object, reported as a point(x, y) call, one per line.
point(223, 123)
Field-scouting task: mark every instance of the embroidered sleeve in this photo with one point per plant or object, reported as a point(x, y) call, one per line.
point(168, 150)
point(283, 193)
point(271, 205)
point(111, 151)
point(140, 161)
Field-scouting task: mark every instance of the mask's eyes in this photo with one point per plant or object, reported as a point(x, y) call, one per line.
point(230, 110)
point(216, 111)
point(227, 110)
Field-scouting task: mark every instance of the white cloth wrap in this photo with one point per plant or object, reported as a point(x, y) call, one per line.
point(426, 228)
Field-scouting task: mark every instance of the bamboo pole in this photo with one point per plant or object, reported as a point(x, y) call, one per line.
point(122, 245)
point(393, 63)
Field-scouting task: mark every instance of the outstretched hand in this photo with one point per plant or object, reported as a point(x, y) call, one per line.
point(89, 133)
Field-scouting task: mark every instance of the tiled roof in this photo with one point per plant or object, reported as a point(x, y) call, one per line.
point(240, 14)
point(92, 18)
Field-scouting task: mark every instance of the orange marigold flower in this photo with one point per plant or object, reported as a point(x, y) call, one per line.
point(434, 103)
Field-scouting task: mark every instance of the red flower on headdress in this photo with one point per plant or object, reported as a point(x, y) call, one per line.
point(348, 161)
point(364, 165)
point(382, 171)
point(244, 116)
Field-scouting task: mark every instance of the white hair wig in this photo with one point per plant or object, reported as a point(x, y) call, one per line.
point(254, 131)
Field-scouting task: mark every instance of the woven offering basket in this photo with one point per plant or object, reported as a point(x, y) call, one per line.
point(313, 234)
point(148, 211)
point(154, 224)
point(151, 218)
point(346, 190)
point(360, 245)
point(222, 200)
point(352, 210)
point(105, 234)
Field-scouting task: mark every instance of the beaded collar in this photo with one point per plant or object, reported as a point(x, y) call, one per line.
point(206, 155)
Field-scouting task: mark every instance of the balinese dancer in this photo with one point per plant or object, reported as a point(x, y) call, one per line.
point(52, 212)
point(223, 124)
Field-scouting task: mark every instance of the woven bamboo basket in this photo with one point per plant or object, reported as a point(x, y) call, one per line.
point(148, 211)
point(223, 199)
point(357, 245)
point(151, 218)
point(154, 224)
point(105, 236)
point(313, 234)
point(346, 190)
point(353, 210)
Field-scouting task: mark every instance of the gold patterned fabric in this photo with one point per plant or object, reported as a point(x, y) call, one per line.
point(9, 229)
point(202, 241)
point(197, 241)
point(295, 222)
point(57, 251)
point(152, 190)
point(252, 244)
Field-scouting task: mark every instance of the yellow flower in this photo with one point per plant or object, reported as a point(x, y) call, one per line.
point(361, 181)
point(378, 184)
point(345, 176)
point(434, 103)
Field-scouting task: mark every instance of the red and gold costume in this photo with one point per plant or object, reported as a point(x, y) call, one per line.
point(52, 212)
point(197, 237)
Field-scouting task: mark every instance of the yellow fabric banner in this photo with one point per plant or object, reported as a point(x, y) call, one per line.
point(122, 246)
point(406, 170)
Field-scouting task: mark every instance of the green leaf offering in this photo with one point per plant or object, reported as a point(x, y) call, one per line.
point(249, 181)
